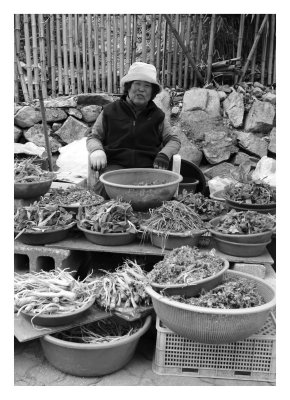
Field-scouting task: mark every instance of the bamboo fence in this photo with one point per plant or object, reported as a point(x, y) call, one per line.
point(67, 54)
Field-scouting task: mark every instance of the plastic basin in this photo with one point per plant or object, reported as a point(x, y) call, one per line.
point(91, 359)
point(125, 184)
point(108, 239)
point(188, 184)
point(31, 189)
point(173, 240)
point(241, 249)
point(262, 208)
point(212, 325)
point(39, 238)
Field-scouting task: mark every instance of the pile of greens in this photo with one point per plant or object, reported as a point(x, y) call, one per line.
point(251, 193)
point(233, 293)
point(245, 223)
point(185, 265)
point(206, 208)
point(41, 218)
point(26, 171)
point(114, 216)
point(72, 195)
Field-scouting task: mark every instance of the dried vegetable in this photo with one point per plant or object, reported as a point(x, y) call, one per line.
point(114, 216)
point(72, 195)
point(41, 218)
point(54, 292)
point(185, 265)
point(206, 208)
point(173, 216)
point(251, 193)
point(104, 331)
point(26, 171)
point(245, 222)
point(123, 288)
point(233, 293)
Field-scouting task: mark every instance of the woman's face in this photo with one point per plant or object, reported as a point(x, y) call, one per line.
point(140, 93)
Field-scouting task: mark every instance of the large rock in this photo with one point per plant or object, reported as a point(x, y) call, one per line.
point(35, 134)
point(242, 157)
point(252, 143)
point(60, 102)
point(162, 100)
point(26, 117)
point(188, 151)
point(260, 117)
point(218, 146)
point(74, 112)
point(203, 103)
point(17, 134)
point(272, 144)
point(223, 169)
point(195, 130)
point(234, 108)
point(55, 114)
point(270, 97)
point(71, 130)
point(97, 99)
point(90, 113)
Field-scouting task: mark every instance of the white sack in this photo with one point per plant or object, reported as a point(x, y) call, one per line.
point(30, 148)
point(265, 170)
point(73, 160)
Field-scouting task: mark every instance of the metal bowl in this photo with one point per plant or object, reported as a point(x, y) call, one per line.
point(125, 184)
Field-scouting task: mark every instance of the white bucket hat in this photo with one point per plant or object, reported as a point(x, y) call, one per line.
point(140, 71)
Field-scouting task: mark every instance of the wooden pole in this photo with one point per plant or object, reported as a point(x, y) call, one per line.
point(271, 49)
point(274, 71)
point(169, 59)
point(175, 51)
point(78, 54)
point(16, 52)
point(134, 38)
point(128, 41)
point(190, 59)
point(103, 53)
point(59, 57)
point(115, 36)
point(28, 56)
point(96, 50)
point(50, 167)
point(109, 56)
point(65, 58)
point(158, 45)
point(144, 49)
point(210, 48)
point(121, 46)
point(90, 53)
point(84, 54)
point(52, 58)
point(240, 40)
point(152, 40)
point(192, 46)
point(187, 43)
point(253, 63)
point(35, 55)
point(16, 82)
point(71, 54)
point(22, 80)
point(42, 56)
point(254, 46)
point(164, 53)
point(180, 63)
point(198, 46)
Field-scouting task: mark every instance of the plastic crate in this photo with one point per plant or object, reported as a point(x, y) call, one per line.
point(251, 359)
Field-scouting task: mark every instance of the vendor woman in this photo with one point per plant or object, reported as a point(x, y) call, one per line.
point(132, 132)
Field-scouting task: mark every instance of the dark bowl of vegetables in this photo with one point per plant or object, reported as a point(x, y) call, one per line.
point(187, 271)
point(233, 310)
point(259, 197)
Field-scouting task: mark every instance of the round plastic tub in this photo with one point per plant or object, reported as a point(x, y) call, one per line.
point(173, 240)
point(31, 189)
point(241, 249)
point(108, 239)
point(36, 238)
point(84, 359)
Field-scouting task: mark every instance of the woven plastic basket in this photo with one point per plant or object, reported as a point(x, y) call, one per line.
point(211, 325)
point(251, 359)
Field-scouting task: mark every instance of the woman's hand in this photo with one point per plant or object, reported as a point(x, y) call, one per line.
point(98, 160)
point(161, 161)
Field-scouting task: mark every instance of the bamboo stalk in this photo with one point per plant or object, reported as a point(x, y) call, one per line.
point(264, 52)
point(253, 64)
point(17, 33)
point(84, 54)
point(158, 45)
point(121, 46)
point(90, 53)
point(109, 58)
point(187, 43)
point(271, 49)
point(152, 39)
point(45, 131)
point(187, 53)
point(78, 55)
point(180, 62)
point(96, 52)
point(164, 53)
point(22, 80)
point(192, 45)
point(42, 56)
point(169, 59)
point(52, 57)
point(48, 49)
point(128, 40)
point(71, 54)
point(16, 82)
point(35, 55)
point(28, 56)
point(115, 30)
point(175, 50)
point(198, 46)
point(210, 47)
point(254, 46)
point(103, 53)
point(65, 57)
point(59, 58)
point(134, 38)
point(274, 70)
point(144, 50)
point(240, 40)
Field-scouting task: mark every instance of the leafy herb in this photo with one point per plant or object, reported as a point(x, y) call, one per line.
point(71, 196)
point(251, 193)
point(26, 171)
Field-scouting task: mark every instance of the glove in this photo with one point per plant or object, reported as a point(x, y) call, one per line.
point(161, 161)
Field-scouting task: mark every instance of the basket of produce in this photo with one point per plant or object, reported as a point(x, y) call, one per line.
point(108, 224)
point(172, 225)
point(51, 298)
point(37, 225)
point(72, 197)
point(95, 349)
point(259, 197)
point(30, 181)
point(206, 208)
point(144, 188)
point(187, 271)
point(122, 292)
point(233, 310)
